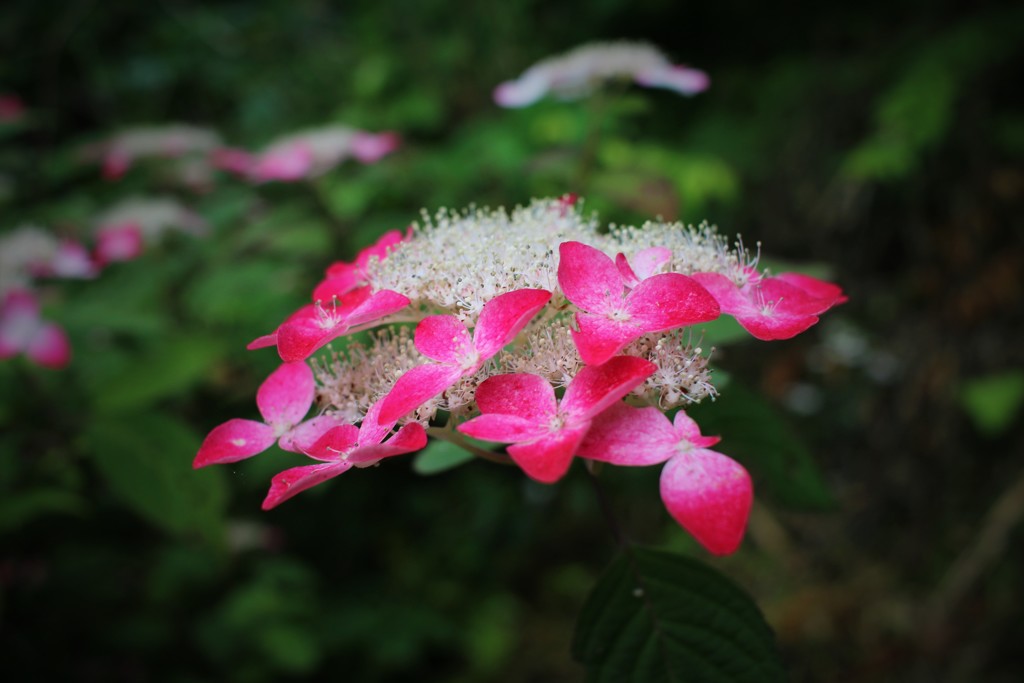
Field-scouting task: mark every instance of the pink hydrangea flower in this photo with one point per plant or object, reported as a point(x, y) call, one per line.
point(577, 72)
point(772, 308)
point(118, 153)
point(707, 493)
point(611, 317)
point(344, 447)
point(283, 400)
point(342, 276)
point(446, 341)
point(521, 409)
point(118, 243)
point(68, 260)
point(314, 325)
point(23, 331)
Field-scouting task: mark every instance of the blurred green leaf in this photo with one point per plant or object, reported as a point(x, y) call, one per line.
point(440, 456)
point(18, 509)
point(993, 402)
point(146, 461)
point(168, 367)
point(242, 292)
point(656, 616)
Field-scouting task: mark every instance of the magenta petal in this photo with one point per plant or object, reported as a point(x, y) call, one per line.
point(263, 342)
point(531, 397)
point(600, 338)
point(663, 302)
point(337, 286)
point(286, 484)
point(335, 443)
point(596, 387)
point(588, 277)
point(503, 428)
point(412, 437)
point(417, 386)
point(232, 441)
point(548, 459)
point(504, 316)
point(729, 297)
point(687, 430)
point(624, 435)
point(648, 261)
point(628, 276)
point(372, 430)
point(49, 346)
point(774, 327)
point(378, 305)
point(710, 495)
point(303, 436)
point(443, 338)
point(286, 395)
point(300, 338)
point(826, 293)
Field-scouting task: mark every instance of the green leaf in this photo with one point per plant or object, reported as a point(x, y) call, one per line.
point(146, 462)
point(757, 435)
point(242, 292)
point(165, 369)
point(993, 402)
point(18, 510)
point(656, 616)
point(440, 456)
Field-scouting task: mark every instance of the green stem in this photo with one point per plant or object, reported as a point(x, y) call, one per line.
point(451, 436)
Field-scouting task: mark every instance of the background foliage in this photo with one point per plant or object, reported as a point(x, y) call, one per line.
point(883, 139)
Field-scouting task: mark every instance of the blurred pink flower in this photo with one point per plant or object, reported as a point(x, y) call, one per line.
point(120, 151)
point(579, 71)
point(707, 493)
point(23, 331)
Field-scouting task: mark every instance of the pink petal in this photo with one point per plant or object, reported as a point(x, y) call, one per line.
point(338, 285)
point(729, 297)
point(600, 338)
point(232, 441)
point(774, 296)
point(380, 249)
point(372, 430)
point(827, 293)
point(298, 339)
point(263, 342)
point(286, 395)
point(370, 147)
point(687, 430)
point(417, 386)
point(648, 261)
point(49, 346)
point(411, 437)
point(628, 276)
point(504, 316)
point(335, 444)
point(548, 459)
point(118, 243)
point(670, 300)
point(771, 328)
point(303, 436)
point(528, 396)
point(624, 435)
point(288, 163)
point(596, 387)
point(710, 495)
point(589, 278)
point(443, 338)
point(378, 305)
point(286, 484)
point(503, 428)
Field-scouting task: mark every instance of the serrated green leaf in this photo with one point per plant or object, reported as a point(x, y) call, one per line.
point(146, 462)
point(657, 616)
point(169, 367)
point(759, 437)
point(440, 456)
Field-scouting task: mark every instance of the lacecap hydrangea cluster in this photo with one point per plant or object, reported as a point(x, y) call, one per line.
point(534, 329)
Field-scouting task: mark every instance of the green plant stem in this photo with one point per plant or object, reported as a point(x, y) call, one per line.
point(454, 437)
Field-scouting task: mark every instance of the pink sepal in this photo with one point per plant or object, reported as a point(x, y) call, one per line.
point(710, 496)
point(505, 316)
point(670, 300)
point(335, 443)
point(547, 459)
point(411, 437)
point(232, 441)
point(503, 428)
point(417, 386)
point(599, 338)
point(624, 435)
point(285, 396)
point(528, 396)
point(596, 387)
point(588, 277)
point(303, 436)
point(443, 338)
point(291, 482)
